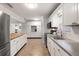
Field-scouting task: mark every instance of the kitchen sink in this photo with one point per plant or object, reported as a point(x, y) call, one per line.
point(57, 37)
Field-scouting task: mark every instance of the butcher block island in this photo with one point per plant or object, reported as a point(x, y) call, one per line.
point(15, 35)
point(18, 40)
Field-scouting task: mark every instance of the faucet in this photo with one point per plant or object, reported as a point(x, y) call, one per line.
point(60, 34)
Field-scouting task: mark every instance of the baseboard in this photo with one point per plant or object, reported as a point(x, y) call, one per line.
point(34, 37)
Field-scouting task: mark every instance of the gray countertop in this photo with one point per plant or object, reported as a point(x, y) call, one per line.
point(69, 46)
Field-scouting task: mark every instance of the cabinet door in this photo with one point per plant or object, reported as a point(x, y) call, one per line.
point(63, 53)
point(57, 53)
point(51, 47)
point(57, 16)
point(25, 38)
point(69, 13)
point(48, 45)
point(13, 47)
point(12, 28)
point(18, 44)
point(60, 15)
point(53, 51)
point(55, 20)
point(60, 51)
point(77, 12)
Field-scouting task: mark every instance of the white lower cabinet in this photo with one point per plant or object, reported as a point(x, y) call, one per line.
point(12, 47)
point(54, 49)
point(17, 44)
point(61, 52)
point(50, 46)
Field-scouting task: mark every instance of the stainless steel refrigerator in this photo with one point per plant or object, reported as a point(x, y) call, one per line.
point(4, 34)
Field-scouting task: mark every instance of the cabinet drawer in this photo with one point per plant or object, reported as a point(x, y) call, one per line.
point(63, 53)
point(60, 51)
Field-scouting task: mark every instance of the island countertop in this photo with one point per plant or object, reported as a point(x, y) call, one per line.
point(15, 35)
point(69, 46)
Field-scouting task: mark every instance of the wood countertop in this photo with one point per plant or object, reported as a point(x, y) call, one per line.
point(15, 35)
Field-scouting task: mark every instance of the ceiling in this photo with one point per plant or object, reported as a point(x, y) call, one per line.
point(43, 9)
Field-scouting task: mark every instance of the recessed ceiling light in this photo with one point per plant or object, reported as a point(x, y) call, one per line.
point(31, 5)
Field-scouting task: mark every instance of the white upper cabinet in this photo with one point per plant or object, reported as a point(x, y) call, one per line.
point(57, 16)
point(65, 14)
point(55, 21)
point(71, 12)
point(76, 20)
point(78, 13)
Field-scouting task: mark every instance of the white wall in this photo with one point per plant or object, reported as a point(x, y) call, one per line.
point(34, 34)
point(24, 28)
point(44, 21)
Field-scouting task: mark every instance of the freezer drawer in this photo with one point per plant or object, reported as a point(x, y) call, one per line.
point(5, 51)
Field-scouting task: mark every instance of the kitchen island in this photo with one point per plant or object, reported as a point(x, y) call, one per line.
point(17, 41)
point(15, 35)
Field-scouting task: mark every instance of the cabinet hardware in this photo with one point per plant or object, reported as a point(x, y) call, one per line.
point(58, 49)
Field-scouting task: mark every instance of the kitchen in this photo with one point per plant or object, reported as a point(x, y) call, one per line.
point(48, 29)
